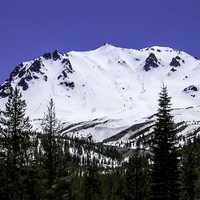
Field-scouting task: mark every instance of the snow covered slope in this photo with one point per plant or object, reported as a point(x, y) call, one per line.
point(107, 90)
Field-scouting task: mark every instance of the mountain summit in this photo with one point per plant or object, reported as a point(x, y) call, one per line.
point(105, 91)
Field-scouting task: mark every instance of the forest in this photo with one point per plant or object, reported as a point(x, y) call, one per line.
point(47, 165)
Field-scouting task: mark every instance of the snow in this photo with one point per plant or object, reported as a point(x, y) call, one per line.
point(111, 84)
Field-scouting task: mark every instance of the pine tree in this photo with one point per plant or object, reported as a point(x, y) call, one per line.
point(3, 172)
point(15, 129)
point(91, 180)
point(60, 190)
point(189, 172)
point(51, 128)
point(137, 177)
point(165, 173)
point(56, 156)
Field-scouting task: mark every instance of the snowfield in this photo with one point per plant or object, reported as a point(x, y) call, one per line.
point(105, 91)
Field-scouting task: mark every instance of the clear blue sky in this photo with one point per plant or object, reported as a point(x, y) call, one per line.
point(29, 28)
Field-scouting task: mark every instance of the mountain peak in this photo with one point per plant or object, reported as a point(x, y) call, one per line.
point(107, 46)
point(82, 84)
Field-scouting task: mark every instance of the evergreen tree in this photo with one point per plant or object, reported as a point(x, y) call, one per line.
point(189, 172)
point(51, 128)
point(91, 180)
point(15, 129)
point(60, 190)
point(56, 156)
point(117, 187)
point(137, 177)
point(165, 173)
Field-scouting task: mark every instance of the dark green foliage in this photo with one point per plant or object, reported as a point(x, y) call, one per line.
point(49, 166)
point(50, 144)
point(55, 155)
point(190, 170)
point(165, 175)
point(137, 177)
point(15, 144)
point(91, 180)
point(59, 190)
point(15, 128)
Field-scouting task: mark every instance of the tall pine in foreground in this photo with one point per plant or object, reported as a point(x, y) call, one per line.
point(51, 128)
point(189, 171)
point(91, 180)
point(137, 177)
point(15, 129)
point(165, 175)
point(56, 157)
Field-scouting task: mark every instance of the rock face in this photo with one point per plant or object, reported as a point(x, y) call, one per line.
point(113, 86)
point(47, 56)
point(191, 88)
point(25, 73)
point(63, 77)
point(151, 62)
point(175, 62)
point(56, 55)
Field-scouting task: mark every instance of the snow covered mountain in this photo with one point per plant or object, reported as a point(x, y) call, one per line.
point(110, 91)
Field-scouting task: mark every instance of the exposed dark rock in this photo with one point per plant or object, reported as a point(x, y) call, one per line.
point(47, 56)
point(67, 65)
point(151, 62)
point(178, 57)
point(45, 78)
point(68, 84)
point(28, 78)
point(121, 62)
point(175, 62)
point(191, 88)
point(56, 55)
point(59, 77)
point(173, 69)
point(3, 94)
point(35, 77)
point(36, 66)
point(25, 75)
point(158, 50)
point(22, 72)
point(16, 71)
point(64, 74)
point(65, 60)
point(22, 83)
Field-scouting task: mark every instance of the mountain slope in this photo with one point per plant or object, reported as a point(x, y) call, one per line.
point(105, 91)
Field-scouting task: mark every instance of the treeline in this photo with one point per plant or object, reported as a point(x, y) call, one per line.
point(48, 165)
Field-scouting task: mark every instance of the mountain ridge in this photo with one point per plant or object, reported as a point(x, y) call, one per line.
point(118, 85)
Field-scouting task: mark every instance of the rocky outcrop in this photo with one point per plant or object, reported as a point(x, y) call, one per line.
point(151, 62)
point(175, 62)
point(191, 88)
